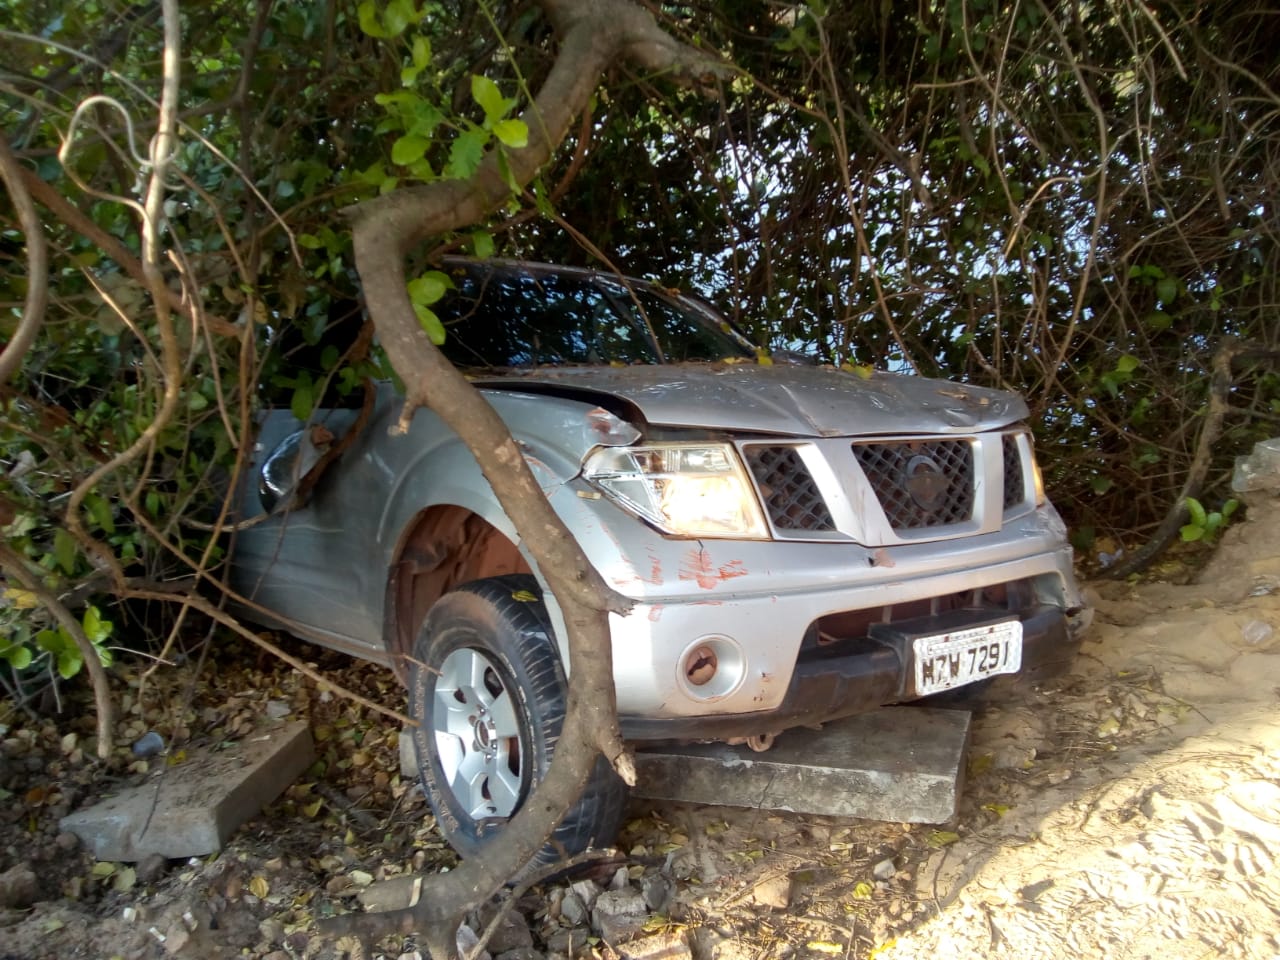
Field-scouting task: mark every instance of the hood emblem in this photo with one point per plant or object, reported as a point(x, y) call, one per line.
point(924, 480)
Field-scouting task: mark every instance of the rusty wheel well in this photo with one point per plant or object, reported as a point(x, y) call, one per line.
point(442, 547)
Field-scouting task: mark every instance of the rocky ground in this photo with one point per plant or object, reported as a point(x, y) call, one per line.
point(1131, 810)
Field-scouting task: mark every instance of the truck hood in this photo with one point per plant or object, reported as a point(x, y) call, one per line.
point(778, 399)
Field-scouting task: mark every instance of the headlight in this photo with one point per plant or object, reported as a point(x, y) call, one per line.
point(687, 489)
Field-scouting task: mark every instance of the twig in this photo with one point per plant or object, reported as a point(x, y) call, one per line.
point(201, 605)
point(15, 567)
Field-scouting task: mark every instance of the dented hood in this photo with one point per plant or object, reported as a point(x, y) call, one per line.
point(778, 399)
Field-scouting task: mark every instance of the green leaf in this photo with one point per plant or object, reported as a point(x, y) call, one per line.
point(100, 510)
point(430, 323)
point(19, 657)
point(421, 58)
point(1100, 484)
point(95, 628)
point(1167, 290)
point(1230, 507)
point(1196, 509)
point(423, 118)
point(398, 15)
point(1127, 364)
point(486, 93)
point(1192, 532)
point(65, 550)
point(51, 640)
point(408, 149)
point(466, 153)
point(482, 244)
point(369, 22)
point(303, 400)
point(509, 178)
point(429, 288)
point(1158, 320)
point(69, 662)
point(512, 133)
point(942, 838)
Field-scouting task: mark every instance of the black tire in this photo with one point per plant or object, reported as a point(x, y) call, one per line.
point(487, 647)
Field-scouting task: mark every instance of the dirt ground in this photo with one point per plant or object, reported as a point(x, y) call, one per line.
point(1131, 810)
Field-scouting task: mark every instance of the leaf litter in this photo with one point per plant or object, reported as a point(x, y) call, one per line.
point(352, 821)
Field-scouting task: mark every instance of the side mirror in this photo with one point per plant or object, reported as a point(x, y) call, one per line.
point(287, 465)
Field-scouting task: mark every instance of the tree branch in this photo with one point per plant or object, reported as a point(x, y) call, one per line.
point(70, 214)
point(16, 568)
point(1219, 396)
point(593, 35)
point(37, 265)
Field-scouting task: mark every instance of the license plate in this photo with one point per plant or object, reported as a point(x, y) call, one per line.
point(948, 660)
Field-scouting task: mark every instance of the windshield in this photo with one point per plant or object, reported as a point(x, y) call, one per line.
point(506, 315)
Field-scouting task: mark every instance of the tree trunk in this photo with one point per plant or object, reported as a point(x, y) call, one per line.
point(593, 34)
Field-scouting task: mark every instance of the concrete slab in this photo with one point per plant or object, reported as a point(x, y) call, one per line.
point(901, 764)
point(190, 810)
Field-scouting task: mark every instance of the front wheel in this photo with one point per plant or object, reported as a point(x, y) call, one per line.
point(487, 690)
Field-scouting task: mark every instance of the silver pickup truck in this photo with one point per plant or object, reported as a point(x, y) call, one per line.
point(801, 543)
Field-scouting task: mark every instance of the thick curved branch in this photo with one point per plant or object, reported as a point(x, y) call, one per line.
point(162, 147)
point(37, 265)
point(593, 35)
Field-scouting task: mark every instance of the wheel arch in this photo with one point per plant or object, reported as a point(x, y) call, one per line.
point(441, 547)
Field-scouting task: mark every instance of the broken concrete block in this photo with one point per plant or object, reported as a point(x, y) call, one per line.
point(191, 809)
point(1260, 470)
point(901, 764)
point(511, 933)
point(573, 911)
point(619, 915)
point(567, 943)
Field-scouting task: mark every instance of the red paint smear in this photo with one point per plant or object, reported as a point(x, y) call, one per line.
point(697, 566)
point(655, 613)
point(655, 571)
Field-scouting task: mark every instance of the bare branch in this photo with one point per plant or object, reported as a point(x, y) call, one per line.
point(15, 567)
point(37, 265)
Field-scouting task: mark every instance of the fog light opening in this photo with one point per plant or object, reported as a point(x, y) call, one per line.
point(710, 668)
point(700, 666)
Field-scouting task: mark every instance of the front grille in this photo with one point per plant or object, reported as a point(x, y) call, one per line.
point(790, 495)
point(1014, 485)
point(920, 483)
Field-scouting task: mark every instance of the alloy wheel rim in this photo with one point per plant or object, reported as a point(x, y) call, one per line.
point(478, 735)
